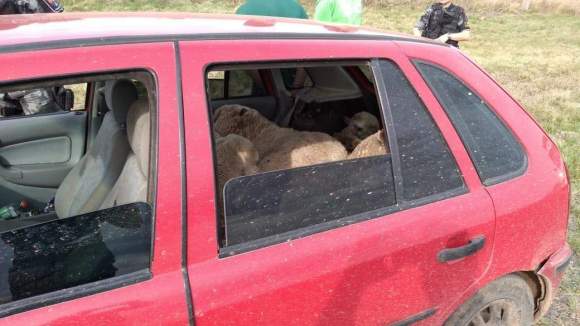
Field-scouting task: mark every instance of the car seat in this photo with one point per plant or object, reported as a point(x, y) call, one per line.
point(87, 185)
point(131, 187)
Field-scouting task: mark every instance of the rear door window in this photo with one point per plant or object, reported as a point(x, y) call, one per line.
point(496, 153)
point(278, 183)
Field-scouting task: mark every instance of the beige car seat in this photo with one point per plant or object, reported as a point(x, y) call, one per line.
point(88, 184)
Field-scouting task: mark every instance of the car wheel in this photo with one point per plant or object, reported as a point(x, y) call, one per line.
point(507, 302)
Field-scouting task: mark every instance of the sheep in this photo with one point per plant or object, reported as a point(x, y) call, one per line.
point(359, 127)
point(279, 148)
point(236, 157)
point(373, 145)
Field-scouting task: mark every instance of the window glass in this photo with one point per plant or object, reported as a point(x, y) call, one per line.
point(493, 149)
point(245, 83)
point(273, 203)
point(216, 85)
point(234, 84)
point(34, 101)
point(77, 250)
point(296, 78)
point(427, 166)
point(80, 96)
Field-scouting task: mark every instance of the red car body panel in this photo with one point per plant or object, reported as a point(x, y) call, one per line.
point(379, 271)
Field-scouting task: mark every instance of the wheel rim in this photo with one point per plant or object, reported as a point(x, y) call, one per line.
point(497, 313)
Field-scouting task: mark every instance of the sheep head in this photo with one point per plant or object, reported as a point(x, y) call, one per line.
point(362, 125)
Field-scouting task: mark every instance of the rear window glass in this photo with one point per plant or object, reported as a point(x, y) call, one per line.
point(296, 78)
point(235, 84)
point(294, 166)
point(494, 150)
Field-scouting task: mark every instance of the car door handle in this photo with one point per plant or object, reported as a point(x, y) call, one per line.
point(469, 249)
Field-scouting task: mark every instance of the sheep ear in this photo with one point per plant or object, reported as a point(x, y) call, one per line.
point(243, 111)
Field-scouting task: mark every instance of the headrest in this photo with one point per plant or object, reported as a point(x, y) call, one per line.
point(119, 95)
point(138, 132)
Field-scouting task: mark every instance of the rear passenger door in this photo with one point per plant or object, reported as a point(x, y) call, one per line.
point(379, 240)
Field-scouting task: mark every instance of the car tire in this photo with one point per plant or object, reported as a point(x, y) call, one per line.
point(507, 301)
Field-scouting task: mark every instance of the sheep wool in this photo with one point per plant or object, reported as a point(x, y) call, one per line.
point(279, 148)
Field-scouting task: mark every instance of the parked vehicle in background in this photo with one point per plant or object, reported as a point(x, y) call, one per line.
point(143, 207)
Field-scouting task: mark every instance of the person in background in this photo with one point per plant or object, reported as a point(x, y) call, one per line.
point(33, 101)
point(339, 11)
point(274, 8)
point(444, 22)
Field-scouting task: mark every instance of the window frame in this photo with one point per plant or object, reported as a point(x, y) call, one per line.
point(150, 81)
point(462, 133)
point(387, 122)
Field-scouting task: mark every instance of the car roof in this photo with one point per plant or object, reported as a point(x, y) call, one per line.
point(60, 30)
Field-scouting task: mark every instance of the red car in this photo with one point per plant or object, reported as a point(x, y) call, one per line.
point(175, 169)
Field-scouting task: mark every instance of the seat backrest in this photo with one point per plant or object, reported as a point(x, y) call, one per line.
point(131, 187)
point(86, 186)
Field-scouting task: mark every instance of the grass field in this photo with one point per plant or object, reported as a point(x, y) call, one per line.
point(535, 55)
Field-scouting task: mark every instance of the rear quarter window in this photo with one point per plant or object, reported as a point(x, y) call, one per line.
point(495, 152)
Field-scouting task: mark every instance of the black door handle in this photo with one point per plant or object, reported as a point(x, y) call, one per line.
point(472, 247)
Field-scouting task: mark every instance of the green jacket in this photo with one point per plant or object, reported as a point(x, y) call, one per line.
point(339, 11)
point(275, 8)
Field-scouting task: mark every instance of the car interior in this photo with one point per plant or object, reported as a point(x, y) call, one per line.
point(328, 93)
point(80, 159)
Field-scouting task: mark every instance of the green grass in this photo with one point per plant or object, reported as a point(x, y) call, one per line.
point(536, 57)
